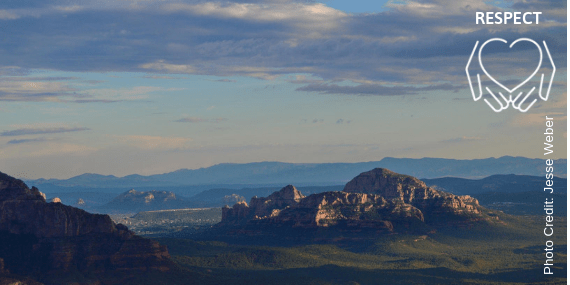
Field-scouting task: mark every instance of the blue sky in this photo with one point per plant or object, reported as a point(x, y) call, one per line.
point(123, 87)
point(358, 6)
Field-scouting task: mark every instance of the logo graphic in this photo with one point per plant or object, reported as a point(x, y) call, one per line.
point(502, 102)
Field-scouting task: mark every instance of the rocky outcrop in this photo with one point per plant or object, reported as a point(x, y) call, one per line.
point(236, 214)
point(286, 197)
point(146, 197)
point(412, 191)
point(379, 199)
point(55, 200)
point(390, 185)
point(40, 238)
point(232, 199)
point(137, 201)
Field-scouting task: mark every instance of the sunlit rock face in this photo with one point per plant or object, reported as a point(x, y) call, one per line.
point(411, 190)
point(377, 199)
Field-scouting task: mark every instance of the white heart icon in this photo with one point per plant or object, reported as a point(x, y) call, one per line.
point(512, 44)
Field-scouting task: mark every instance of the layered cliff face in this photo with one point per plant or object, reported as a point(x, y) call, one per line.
point(286, 197)
point(412, 191)
point(40, 238)
point(390, 185)
point(379, 199)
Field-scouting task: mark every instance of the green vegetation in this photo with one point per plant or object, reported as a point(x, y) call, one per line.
point(511, 252)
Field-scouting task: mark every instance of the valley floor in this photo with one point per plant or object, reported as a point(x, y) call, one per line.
point(512, 253)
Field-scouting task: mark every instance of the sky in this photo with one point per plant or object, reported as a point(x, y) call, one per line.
point(152, 86)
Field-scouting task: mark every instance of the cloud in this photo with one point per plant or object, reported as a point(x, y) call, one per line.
point(83, 101)
point(343, 121)
point(200, 120)
point(162, 77)
point(107, 95)
point(373, 89)
point(7, 15)
point(316, 121)
point(38, 78)
point(225, 80)
point(60, 89)
point(23, 89)
point(302, 14)
point(162, 66)
point(410, 43)
point(61, 148)
point(561, 103)
point(37, 131)
point(537, 119)
point(21, 141)
point(463, 139)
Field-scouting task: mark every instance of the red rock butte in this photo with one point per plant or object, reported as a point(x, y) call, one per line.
point(379, 199)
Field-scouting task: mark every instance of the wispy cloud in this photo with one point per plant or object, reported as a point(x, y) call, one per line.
point(162, 66)
point(28, 89)
point(225, 80)
point(463, 139)
point(36, 140)
point(37, 131)
point(200, 120)
point(162, 77)
point(313, 121)
point(59, 89)
point(374, 89)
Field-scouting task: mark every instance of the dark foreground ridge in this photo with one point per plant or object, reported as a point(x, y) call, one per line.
point(47, 241)
point(379, 201)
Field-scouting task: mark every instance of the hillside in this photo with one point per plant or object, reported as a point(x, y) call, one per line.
point(54, 243)
point(495, 183)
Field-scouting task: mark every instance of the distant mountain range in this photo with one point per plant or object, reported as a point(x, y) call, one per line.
point(496, 183)
point(513, 194)
point(306, 174)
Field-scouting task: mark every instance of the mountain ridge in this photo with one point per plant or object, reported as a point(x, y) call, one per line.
point(314, 173)
point(378, 201)
point(44, 239)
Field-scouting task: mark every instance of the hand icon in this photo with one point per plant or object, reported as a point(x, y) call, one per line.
point(500, 101)
point(543, 88)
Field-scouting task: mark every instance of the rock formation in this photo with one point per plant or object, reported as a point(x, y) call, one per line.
point(55, 200)
point(412, 191)
point(137, 201)
point(146, 197)
point(40, 238)
point(232, 199)
point(378, 199)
